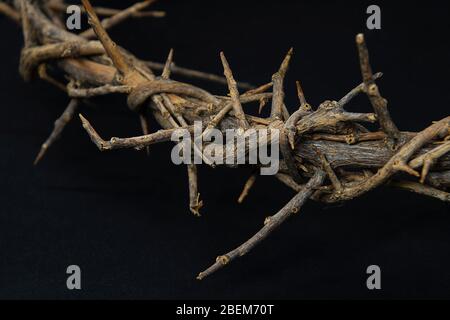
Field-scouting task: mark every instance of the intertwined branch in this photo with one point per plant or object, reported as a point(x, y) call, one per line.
point(328, 155)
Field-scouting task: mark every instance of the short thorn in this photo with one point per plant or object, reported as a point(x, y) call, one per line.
point(99, 142)
point(41, 154)
point(405, 168)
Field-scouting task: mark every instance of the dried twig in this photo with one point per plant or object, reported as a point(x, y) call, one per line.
point(428, 159)
point(59, 125)
point(10, 12)
point(422, 189)
point(278, 92)
point(330, 172)
point(117, 18)
point(247, 186)
point(234, 93)
point(378, 102)
point(270, 224)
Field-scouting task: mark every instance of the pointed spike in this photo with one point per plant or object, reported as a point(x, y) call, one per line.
point(95, 137)
point(226, 67)
point(406, 168)
point(262, 104)
point(360, 38)
point(247, 186)
point(234, 93)
point(300, 94)
point(291, 139)
point(110, 47)
point(425, 170)
point(168, 65)
point(145, 130)
point(40, 154)
point(285, 64)
point(58, 128)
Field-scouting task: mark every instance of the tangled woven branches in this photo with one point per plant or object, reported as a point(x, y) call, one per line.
point(328, 154)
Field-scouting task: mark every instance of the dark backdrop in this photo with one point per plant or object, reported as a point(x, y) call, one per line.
point(123, 217)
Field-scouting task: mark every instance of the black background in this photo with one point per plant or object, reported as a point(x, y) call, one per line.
point(123, 216)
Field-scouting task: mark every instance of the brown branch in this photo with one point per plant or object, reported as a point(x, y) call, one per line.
point(196, 74)
point(32, 57)
point(271, 223)
point(429, 159)
point(247, 186)
point(117, 18)
point(234, 93)
point(110, 47)
point(278, 92)
point(287, 134)
point(329, 114)
point(330, 172)
point(288, 181)
point(29, 37)
point(10, 12)
point(133, 142)
point(195, 204)
point(55, 16)
point(300, 94)
point(168, 66)
point(291, 122)
point(357, 90)
point(145, 128)
point(247, 96)
point(378, 102)
point(42, 72)
point(422, 189)
point(142, 92)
